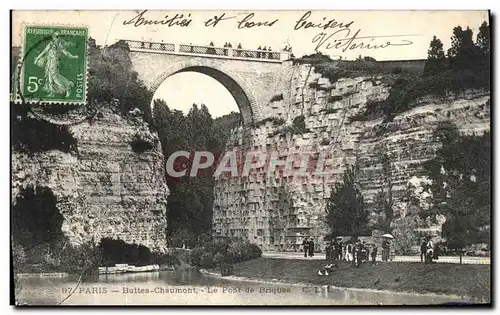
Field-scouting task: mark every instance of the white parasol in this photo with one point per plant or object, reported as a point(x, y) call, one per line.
point(388, 236)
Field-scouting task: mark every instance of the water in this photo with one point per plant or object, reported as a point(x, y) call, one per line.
point(193, 288)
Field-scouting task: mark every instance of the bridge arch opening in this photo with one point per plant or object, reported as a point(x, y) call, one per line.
point(237, 87)
point(183, 89)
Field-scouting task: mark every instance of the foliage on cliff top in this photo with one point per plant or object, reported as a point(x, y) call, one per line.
point(111, 78)
point(466, 66)
point(361, 67)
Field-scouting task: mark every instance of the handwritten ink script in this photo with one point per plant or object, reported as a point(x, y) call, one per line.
point(176, 20)
point(334, 34)
point(344, 38)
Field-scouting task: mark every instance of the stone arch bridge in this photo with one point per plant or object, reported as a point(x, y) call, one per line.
point(252, 77)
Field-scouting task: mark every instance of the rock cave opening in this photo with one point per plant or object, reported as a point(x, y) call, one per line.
point(36, 220)
point(120, 252)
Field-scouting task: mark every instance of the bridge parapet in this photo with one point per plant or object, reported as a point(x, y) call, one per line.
point(209, 51)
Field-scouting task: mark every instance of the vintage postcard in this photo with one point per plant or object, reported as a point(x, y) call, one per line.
point(250, 158)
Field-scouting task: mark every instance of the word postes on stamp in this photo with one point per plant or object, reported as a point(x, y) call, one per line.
point(54, 65)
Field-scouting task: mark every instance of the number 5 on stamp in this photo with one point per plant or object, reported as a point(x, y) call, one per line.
point(54, 65)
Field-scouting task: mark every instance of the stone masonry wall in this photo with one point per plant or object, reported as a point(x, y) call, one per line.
point(106, 189)
point(276, 212)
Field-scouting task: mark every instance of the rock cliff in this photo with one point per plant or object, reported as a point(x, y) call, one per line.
point(276, 212)
point(112, 185)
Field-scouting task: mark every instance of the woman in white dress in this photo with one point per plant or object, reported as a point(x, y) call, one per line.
point(49, 58)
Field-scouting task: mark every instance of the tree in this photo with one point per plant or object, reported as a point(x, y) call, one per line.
point(462, 53)
point(483, 38)
point(190, 203)
point(435, 57)
point(407, 235)
point(346, 214)
point(483, 44)
point(383, 200)
point(461, 186)
point(111, 78)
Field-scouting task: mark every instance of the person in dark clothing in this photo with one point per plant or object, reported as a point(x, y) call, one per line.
point(367, 253)
point(374, 253)
point(356, 253)
point(305, 243)
point(238, 52)
point(211, 50)
point(385, 250)
point(338, 250)
point(258, 51)
point(311, 247)
point(423, 249)
point(333, 249)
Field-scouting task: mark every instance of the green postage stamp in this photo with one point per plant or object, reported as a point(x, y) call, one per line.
point(54, 65)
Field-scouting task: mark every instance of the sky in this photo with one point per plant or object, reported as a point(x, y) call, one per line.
point(289, 27)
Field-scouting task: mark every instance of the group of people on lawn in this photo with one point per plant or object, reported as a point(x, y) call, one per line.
point(428, 252)
point(359, 252)
point(356, 252)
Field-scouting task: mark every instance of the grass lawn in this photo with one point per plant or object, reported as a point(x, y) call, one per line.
point(461, 280)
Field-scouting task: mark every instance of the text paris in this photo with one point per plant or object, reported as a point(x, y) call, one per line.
point(342, 39)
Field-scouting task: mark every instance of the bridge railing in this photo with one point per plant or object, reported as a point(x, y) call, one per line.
point(151, 46)
point(220, 52)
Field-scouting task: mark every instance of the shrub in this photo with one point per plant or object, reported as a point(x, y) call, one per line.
point(18, 256)
point(276, 121)
point(207, 260)
point(331, 110)
point(325, 141)
point(334, 98)
point(397, 70)
point(226, 270)
point(313, 59)
point(139, 145)
point(299, 124)
point(164, 259)
point(218, 259)
point(314, 85)
point(195, 256)
point(222, 253)
point(86, 257)
point(277, 97)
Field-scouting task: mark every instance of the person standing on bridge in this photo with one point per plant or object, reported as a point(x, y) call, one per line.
point(211, 50)
point(238, 52)
point(258, 51)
